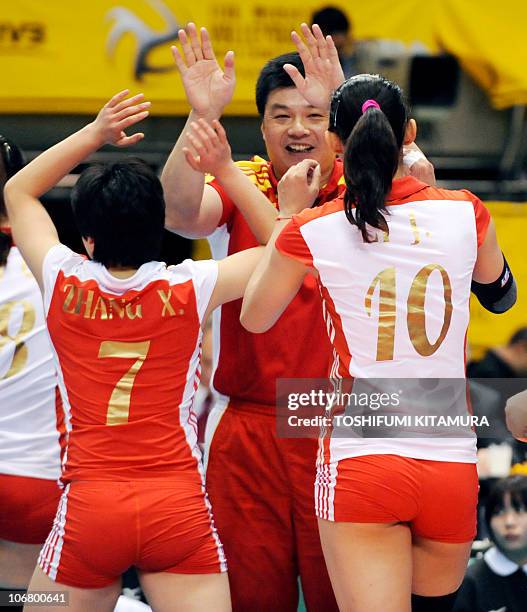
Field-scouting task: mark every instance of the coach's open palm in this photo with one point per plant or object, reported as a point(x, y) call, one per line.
point(116, 116)
point(208, 88)
point(323, 72)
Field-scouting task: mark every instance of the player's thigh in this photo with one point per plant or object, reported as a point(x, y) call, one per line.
point(79, 600)
point(439, 567)
point(444, 527)
point(17, 562)
point(370, 565)
point(167, 592)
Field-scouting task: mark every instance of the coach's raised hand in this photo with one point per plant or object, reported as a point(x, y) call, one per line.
point(208, 88)
point(323, 72)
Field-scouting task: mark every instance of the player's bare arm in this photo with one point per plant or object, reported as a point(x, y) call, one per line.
point(33, 229)
point(234, 273)
point(492, 280)
point(209, 152)
point(265, 300)
point(192, 209)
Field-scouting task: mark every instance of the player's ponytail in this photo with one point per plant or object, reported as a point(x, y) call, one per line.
point(369, 115)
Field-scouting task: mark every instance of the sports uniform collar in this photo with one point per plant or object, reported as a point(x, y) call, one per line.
point(405, 187)
point(327, 192)
point(500, 564)
point(109, 282)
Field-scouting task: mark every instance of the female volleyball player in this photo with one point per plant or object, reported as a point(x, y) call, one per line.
point(395, 260)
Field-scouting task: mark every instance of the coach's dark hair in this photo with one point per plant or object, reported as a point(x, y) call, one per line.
point(373, 141)
point(121, 207)
point(273, 76)
point(516, 486)
point(11, 161)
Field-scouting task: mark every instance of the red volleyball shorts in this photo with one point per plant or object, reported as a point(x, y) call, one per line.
point(438, 499)
point(103, 527)
point(28, 506)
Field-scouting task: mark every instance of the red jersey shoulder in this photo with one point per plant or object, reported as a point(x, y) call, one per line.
point(310, 214)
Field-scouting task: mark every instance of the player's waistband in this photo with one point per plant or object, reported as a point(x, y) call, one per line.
point(241, 405)
point(190, 477)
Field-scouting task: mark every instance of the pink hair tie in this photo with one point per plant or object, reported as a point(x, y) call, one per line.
point(370, 104)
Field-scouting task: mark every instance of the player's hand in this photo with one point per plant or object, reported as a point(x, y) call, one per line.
point(323, 72)
point(116, 116)
point(209, 150)
point(516, 415)
point(299, 187)
point(208, 88)
point(417, 165)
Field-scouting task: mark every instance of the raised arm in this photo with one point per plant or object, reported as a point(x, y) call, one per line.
point(492, 280)
point(192, 209)
point(33, 229)
point(277, 278)
point(210, 152)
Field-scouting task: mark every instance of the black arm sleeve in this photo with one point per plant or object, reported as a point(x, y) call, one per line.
point(499, 296)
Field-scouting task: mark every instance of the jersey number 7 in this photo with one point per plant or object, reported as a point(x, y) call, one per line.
point(119, 404)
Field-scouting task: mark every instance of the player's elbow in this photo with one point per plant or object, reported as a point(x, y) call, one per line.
point(11, 191)
point(187, 225)
point(252, 321)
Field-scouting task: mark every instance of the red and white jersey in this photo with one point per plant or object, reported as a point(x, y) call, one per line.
point(398, 307)
point(30, 410)
point(247, 365)
point(127, 352)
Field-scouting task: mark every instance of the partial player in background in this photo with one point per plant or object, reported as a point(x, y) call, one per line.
point(31, 418)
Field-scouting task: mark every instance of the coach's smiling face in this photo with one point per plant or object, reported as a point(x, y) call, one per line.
point(293, 130)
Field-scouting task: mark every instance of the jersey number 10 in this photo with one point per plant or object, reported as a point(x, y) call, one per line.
point(416, 315)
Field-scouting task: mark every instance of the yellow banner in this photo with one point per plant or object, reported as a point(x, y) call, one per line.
point(486, 329)
point(58, 56)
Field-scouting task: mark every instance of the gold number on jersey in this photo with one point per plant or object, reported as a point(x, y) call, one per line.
point(119, 404)
point(386, 334)
point(415, 229)
point(26, 325)
point(416, 314)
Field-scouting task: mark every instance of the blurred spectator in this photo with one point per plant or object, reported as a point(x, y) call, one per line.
point(507, 367)
point(334, 22)
point(503, 361)
point(498, 581)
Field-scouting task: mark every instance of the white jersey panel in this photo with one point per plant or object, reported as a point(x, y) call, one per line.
point(29, 440)
point(391, 277)
point(403, 303)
